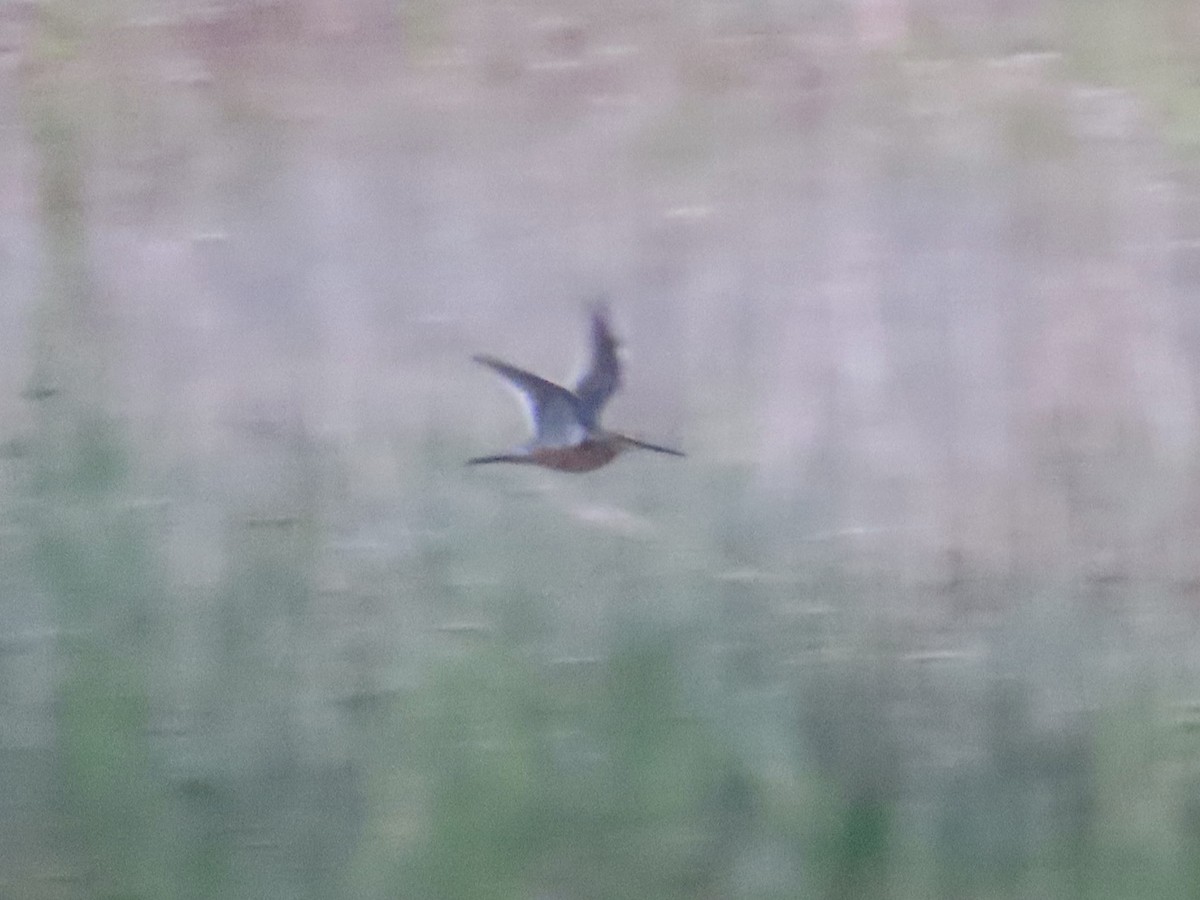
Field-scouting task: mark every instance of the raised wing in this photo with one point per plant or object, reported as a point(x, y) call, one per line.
point(553, 410)
point(604, 377)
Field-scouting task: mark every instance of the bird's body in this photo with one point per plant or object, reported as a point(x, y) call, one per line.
point(585, 456)
point(566, 432)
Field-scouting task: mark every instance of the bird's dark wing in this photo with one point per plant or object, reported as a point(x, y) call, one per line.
point(604, 376)
point(553, 410)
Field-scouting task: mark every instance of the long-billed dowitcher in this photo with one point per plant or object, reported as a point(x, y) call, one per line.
point(566, 424)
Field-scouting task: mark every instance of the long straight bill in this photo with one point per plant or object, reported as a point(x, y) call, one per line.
point(657, 448)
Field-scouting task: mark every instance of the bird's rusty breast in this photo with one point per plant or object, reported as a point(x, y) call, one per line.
point(589, 454)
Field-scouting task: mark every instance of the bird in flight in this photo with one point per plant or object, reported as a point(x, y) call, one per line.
point(566, 423)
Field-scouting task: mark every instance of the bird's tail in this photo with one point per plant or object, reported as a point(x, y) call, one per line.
point(634, 442)
point(498, 458)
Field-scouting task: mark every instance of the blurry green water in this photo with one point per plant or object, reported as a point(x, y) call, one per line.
point(728, 749)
